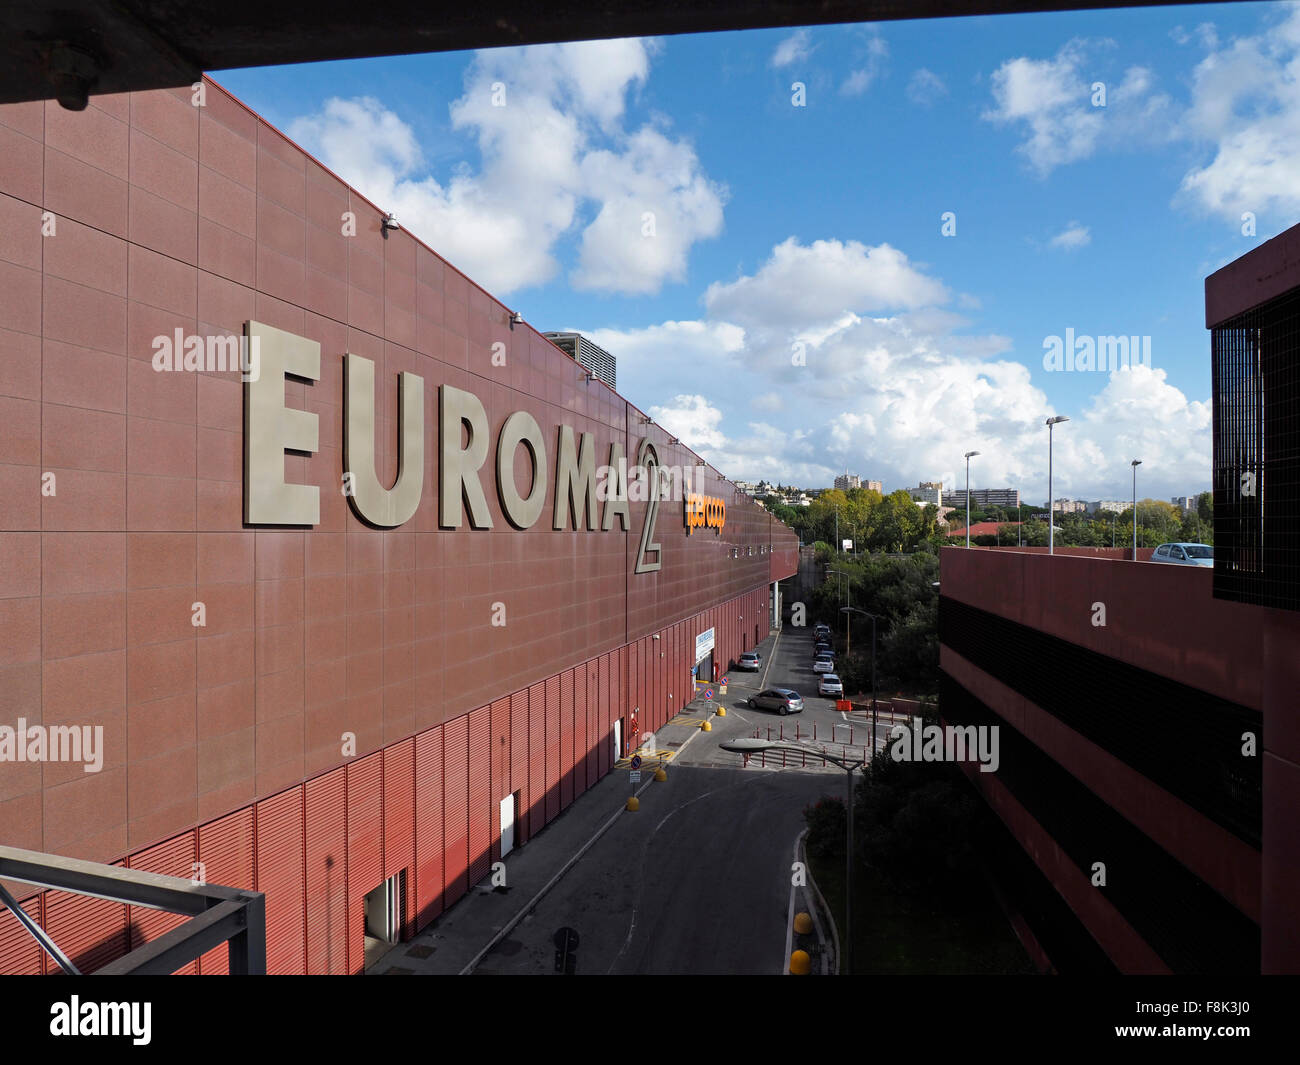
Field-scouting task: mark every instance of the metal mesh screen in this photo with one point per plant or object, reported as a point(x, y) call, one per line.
point(1256, 471)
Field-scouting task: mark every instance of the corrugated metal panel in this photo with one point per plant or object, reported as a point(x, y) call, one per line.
point(327, 873)
point(399, 808)
point(175, 857)
point(580, 730)
point(554, 766)
point(428, 826)
point(567, 731)
point(600, 671)
point(91, 932)
point(594, 731)
point(536, 759)
point(280, 877)
point(519, 762)
point(500, 750)
point(227, 853)
point(499, 757)
point(20, 955)
point(365, 848)
point(480, 793)
point(455, 816)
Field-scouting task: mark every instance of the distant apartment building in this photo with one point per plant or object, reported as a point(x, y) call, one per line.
point(845, 481)
point(1118, 506)
point(1070, 506)
point(874, 486)
point(1184, 503)
point(985, 497)
point(928, 492)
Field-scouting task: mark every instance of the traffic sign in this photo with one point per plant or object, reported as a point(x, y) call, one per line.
point(708, 693)
point(636, 761)
point(634, 776)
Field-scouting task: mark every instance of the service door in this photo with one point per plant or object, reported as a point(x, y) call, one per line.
point(618, 739)
point(507, 825)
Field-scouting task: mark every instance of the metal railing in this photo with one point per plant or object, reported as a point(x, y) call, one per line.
point(217, 914)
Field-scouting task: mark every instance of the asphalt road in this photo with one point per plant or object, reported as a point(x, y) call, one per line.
point(787, 663)
point(698, 880)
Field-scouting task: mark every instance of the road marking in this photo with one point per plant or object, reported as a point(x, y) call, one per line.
point(789, 921)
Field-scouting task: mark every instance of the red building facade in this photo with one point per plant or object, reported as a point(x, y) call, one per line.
point(306, 710)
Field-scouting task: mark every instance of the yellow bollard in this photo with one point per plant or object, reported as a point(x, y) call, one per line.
point(803, 923)
point(705, 727)
point(633, 803)
point(722, 711)
point(800, 963)
point(660, 775)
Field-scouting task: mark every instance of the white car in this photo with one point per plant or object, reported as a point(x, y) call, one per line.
point(823, 664)
point(1182, 554)
point(830, 685)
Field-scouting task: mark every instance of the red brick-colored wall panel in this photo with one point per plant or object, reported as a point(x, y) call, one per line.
point(429, 849)
point(175, 857)
point(365, 779)
point(226, 851)
point(567, 737)
point(326, 854)
point(399, 807)
point(455, 810)
point(554, 767)
point(480, 793)
point(536, 800)
point(280, 878)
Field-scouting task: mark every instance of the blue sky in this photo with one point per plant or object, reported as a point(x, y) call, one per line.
point(795, 309)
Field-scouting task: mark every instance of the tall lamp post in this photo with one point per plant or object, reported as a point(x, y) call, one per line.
point(969, 456)
point(1135, 464)
point(848, 612)
point(843, 600)
point(1051, 510)
point(748, 746)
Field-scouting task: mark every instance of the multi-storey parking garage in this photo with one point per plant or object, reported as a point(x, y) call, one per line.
point(343, 579)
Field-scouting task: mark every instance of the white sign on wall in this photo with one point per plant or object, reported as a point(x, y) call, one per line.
point(703, 644)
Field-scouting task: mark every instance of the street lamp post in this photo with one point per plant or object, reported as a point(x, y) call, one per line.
point(843, 601)
point(969, 456)
point(1135, 464)
point(848, 612)
point(748, 746)
point(1051, 522)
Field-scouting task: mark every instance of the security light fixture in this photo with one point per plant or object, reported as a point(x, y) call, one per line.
point(515, 319)
point(390, 221)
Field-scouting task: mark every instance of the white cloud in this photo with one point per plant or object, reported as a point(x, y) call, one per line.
point(802, 287)
point(1071, 237)
point(793, 49)
point(872, 53)
point(925, 87)
point(1245, 104)
point(1052, 100)
point(548, 122)
point(889, 382)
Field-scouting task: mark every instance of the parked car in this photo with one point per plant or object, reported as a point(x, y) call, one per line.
point(749, 660)
point(823, 664)
point(821, 647)
point(830, 685)
point(1182, 554)
point(782, 700)
point(821, 631)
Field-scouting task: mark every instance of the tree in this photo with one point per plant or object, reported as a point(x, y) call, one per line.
point(1205, 507)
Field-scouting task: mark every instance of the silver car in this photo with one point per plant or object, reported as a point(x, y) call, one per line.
point(823, 664)
point(1182, 554)
point(830, 685)
point(782, 700)
point(749, 660)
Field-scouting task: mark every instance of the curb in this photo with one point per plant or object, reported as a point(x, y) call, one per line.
point(821, 904)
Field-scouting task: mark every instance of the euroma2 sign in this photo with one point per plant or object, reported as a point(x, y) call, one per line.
point(271, 429)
